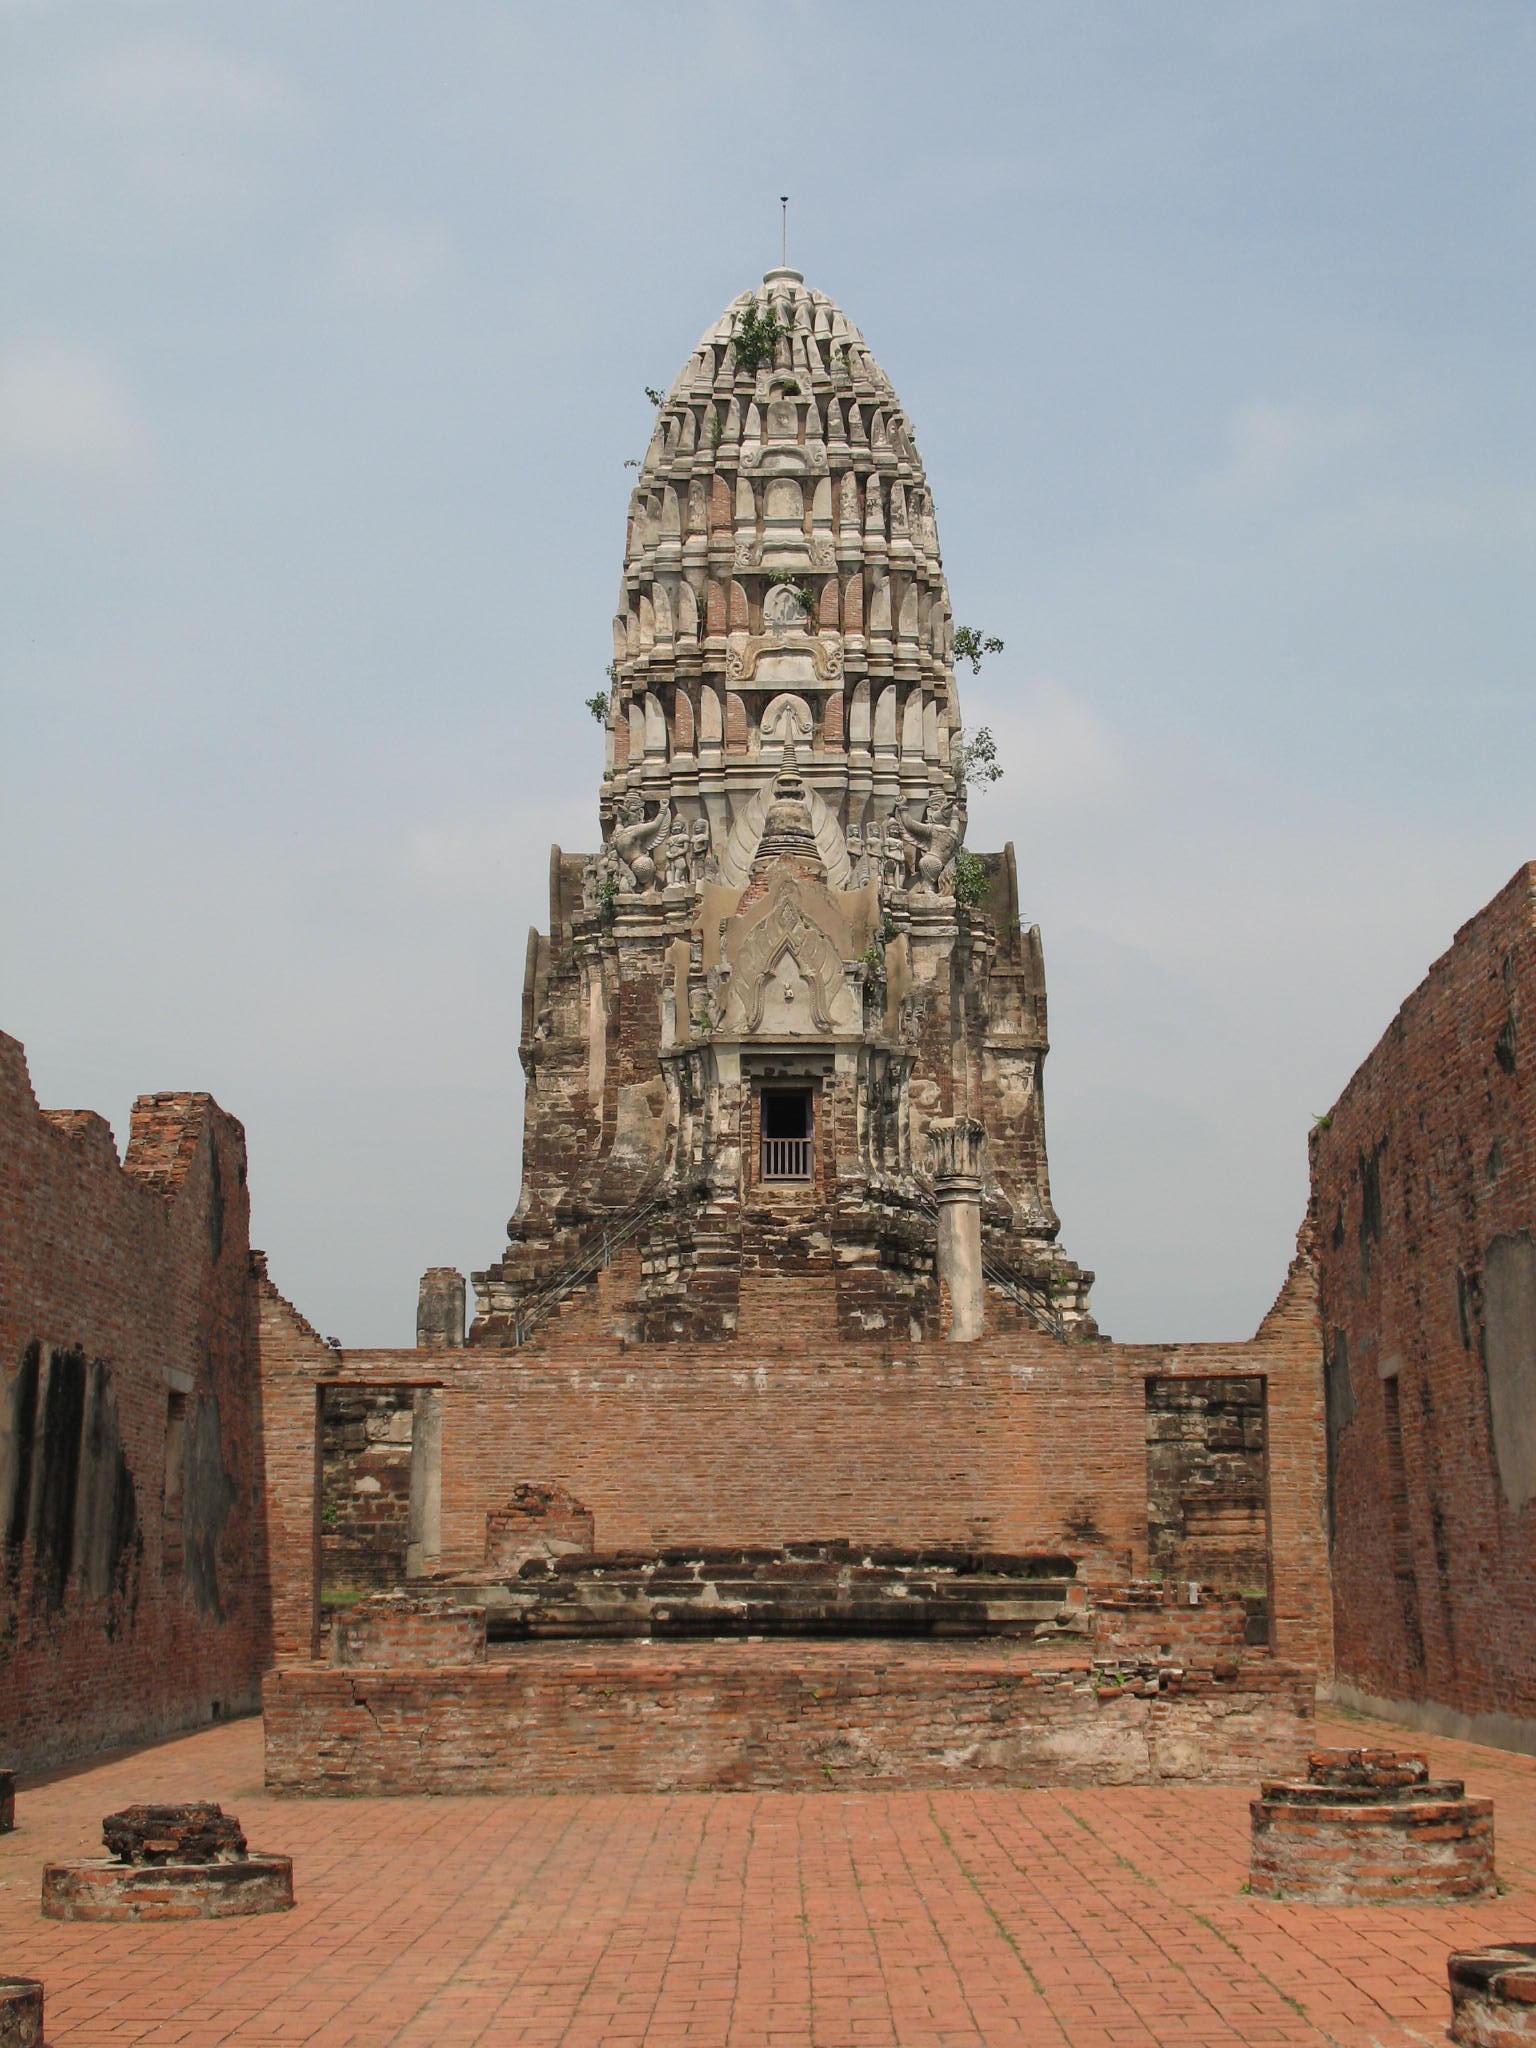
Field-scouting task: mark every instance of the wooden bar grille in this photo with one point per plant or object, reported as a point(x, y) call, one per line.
point(786, 1158)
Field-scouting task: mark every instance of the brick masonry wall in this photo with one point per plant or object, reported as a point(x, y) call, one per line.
point(399, 1629)
point(132, 1547)
point(539, 1521)
point(1424, 1199)
point(1015, 1443)
point(802, 1717)
point(1159, 1622)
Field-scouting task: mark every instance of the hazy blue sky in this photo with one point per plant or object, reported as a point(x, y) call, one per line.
point(324, 332)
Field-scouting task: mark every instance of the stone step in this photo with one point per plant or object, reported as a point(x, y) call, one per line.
point(770, 1594)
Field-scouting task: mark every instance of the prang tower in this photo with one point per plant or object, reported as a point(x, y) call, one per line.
point(784, 1038)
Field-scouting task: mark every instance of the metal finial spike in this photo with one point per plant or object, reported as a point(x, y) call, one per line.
point(783, 231)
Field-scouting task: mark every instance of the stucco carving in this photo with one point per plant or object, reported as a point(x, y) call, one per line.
point(634, 838)
point(939, 840)
point(793, 926)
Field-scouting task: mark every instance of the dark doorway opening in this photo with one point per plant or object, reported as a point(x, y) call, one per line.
point(787, 1129)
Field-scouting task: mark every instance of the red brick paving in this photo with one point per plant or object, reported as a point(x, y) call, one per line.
point(1103, 1919)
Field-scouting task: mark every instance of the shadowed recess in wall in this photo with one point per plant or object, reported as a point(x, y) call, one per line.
point(66, 1494)
point(1342, 1408)
point(1510, 1355)
point(208, 1497)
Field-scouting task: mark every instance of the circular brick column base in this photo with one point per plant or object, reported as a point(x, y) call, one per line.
point(21, 2012)
point(105, 1889)
point(1493, 1996)
point(1369, 1827)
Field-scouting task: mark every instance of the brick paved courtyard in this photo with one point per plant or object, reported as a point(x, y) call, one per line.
point(1095, 1918)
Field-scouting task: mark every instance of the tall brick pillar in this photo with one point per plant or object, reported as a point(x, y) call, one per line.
point(440, 1310)
point(958, 1161)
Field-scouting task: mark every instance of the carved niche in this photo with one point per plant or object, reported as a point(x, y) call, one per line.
point(787, 651)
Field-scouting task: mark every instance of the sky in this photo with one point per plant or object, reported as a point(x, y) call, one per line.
point(324, 339)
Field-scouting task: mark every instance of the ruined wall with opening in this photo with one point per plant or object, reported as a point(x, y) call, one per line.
point(132, 1594)
point(1424, 1200)
point(790, 1433)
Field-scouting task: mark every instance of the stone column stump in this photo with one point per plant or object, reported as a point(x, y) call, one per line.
point(21, 2012)
point(169, 1863)
point(1370, 1827)
point(1493, 1996)
point(958, 1161)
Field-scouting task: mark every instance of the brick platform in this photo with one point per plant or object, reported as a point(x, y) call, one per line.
point(633, 1717)
point(1106, 1917)
point(21, 2012)
point(1369, 1827)
point(1493, 1996)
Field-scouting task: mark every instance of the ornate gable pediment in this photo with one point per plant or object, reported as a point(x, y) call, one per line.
point(787, 965)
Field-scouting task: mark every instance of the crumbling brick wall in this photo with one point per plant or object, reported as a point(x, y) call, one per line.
point(132, 1488)
point(407, 1630)
point(1424, 1199)
point(796, 1433)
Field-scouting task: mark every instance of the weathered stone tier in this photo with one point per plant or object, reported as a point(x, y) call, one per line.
point(1369, 1827)
point(1493, 1996)
point(659, 1717)
point(831, 1589)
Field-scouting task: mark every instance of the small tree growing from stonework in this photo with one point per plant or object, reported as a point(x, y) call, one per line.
point(756, 338)
point(978, 754)
point(971, 645)
point(783, 580)
point(978, 759)
point(598, 706)
point(970, 879)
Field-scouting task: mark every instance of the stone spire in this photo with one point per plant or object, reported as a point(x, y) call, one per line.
point(781, 551)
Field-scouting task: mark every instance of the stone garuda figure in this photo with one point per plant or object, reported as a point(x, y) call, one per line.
point(635, 837)
point(939, 841)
